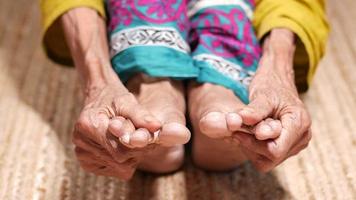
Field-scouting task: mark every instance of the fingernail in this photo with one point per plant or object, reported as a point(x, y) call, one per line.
point(155, 137)
point(125, 138)
point(113, 143)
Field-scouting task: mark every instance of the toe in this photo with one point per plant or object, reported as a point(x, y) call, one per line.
point(233, 121)
point(173, 134)
point(128, 107)
point(212, 109)
point(214, 125)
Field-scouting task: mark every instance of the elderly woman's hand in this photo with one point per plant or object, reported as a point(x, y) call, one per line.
point(273, 94)
point(98, 149)
point(106, 99)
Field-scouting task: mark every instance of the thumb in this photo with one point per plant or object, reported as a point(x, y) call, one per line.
point(257, 110)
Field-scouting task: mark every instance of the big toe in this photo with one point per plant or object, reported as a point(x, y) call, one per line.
point(213, 110)
point(164, 98)
point(214, 125)
point(174, 133)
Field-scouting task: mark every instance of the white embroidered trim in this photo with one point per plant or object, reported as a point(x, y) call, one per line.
point(196, 5)
point(147, 36)
point(227, 68)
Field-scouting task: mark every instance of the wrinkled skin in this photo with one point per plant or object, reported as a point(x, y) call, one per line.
point(273, 94)
point(111, 112)
point(98, 150)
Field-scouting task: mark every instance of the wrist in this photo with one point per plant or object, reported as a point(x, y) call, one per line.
point(279, 46)
point(86, 37)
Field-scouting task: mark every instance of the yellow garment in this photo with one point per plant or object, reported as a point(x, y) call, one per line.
point(53, 37)
point(304, 17)
point(307, 20)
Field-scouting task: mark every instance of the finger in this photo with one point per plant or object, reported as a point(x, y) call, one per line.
point(93, 125)
point(302, 144)
point(85, 155)
point(260, 162)
point(95, 162)
point(257, 110)
point(115, 126)
point(90, 167)
point(268, 129)
point(276, 126)
point(140, 138)
point(126, 131)
point(93, 149)
point(128, 107)
point(251, 143)
point(291, 133)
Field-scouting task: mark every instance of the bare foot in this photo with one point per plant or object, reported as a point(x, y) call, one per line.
point(212, 110)
point(164, 99)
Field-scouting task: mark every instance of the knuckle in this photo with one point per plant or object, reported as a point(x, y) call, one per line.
point(84, 124)
point(277, 153)
point(302, 117)
point(306, 119)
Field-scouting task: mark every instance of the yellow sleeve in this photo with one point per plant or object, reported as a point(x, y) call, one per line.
point(53, 37)
point(307, 20)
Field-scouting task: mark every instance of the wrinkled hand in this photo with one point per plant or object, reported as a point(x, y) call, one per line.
point(273, 94)
point(98, 150)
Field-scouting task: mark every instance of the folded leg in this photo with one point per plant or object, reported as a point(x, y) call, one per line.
point(149, 36)
point(226, 51)
point(224, 44)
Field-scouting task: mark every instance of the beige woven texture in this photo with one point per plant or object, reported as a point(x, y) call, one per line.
point(39, 102)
